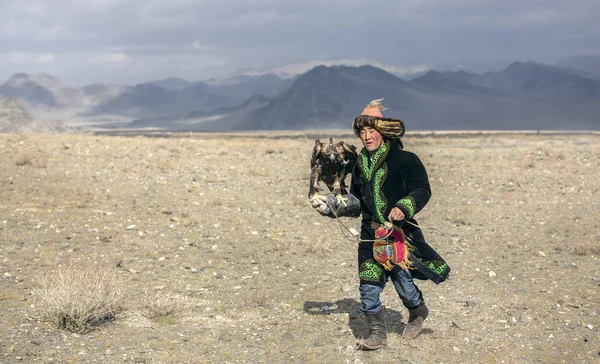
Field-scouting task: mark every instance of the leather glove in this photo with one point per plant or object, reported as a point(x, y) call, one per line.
point(350, 207)
point(324, 203)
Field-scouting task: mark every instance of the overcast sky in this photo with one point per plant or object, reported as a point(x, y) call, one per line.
point(129, 41)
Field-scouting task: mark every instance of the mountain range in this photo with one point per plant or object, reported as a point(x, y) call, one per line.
point(524, 95)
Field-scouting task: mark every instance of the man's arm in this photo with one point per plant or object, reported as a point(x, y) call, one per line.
point(418, 186)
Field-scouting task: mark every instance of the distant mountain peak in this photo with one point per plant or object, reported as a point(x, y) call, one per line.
point(295, 69)
point(586, 63)
point(232, 80)
point(42, 79)
point(328, 97)
point(366, 71)
point(449, 81)
point(534, 69)
point(171, 83)
point(432, 73)
point(18, 79)
point(521, 65)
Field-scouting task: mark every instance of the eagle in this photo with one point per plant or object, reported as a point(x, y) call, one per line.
point(330, 164)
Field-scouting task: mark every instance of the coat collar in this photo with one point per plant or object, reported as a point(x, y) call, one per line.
point(368, 165)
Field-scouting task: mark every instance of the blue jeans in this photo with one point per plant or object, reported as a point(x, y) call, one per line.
point(408, 291)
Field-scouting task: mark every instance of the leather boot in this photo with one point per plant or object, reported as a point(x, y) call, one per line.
point(416, 318)
point(377, 337)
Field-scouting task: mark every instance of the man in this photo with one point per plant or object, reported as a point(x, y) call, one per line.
point(388, 184)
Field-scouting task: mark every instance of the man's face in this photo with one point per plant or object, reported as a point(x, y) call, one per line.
point(371, 139)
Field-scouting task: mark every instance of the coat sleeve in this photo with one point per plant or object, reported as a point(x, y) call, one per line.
point(355, 183)
point(418, 186)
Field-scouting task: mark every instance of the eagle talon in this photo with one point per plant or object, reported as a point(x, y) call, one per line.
point(341, 200)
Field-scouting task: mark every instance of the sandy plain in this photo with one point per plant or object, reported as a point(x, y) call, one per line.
point(221, 224)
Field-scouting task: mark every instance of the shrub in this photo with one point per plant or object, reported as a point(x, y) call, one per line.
point(77, 297)
point(259, 298)
point(587, 248)
point(24, 161)
point(158, 305)
point(320, 244)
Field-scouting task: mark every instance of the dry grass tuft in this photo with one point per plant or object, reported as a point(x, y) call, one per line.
point(24, 161)
point(587, 248)
point(165, 165)
point(349, 352)
point(259, 298)
point(78, 296)
point(320, 244)
point(158, 305)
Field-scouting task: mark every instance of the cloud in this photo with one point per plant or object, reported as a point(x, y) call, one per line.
point(30, 58)
point(113, 58)
point(202, 38)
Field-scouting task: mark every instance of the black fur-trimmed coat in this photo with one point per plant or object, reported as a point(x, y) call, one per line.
point(393, 177)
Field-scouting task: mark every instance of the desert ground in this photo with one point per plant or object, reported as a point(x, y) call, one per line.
point(221, 259)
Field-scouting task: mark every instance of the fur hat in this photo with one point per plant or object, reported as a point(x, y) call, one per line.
point(391, 129)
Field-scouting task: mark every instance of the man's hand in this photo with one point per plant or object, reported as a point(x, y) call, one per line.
point(324, 203)
point(396, 215)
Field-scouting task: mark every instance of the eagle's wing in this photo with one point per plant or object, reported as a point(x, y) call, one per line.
point(315, 152)
point(315, 168)
point(349, 155)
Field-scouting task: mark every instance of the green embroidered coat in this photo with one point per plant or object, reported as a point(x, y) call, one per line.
point(393, 178)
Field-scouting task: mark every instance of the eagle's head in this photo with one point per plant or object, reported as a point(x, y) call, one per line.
point(332, 151)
